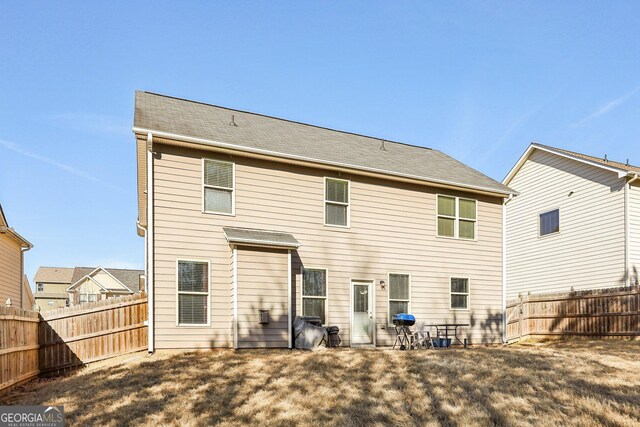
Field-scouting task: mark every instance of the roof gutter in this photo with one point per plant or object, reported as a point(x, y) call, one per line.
point(297, 159)
point(24, 243)
point(627, 231)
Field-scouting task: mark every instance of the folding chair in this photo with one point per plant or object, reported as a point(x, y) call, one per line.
point(422, 339)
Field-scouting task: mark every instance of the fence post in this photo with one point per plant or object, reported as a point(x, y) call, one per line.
point(520, 317)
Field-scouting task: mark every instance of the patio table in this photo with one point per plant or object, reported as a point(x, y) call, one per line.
point(450, 327)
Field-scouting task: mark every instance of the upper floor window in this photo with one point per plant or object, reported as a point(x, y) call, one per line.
point(457, 217)
point(40, 287)
point(314, 293)
point(459, 293)
point(219, 186)
point(336, 202)
point(549, 222)
point(399, 292)
point(193, 292)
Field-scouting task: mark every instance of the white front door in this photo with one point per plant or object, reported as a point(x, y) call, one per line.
point(362, 323)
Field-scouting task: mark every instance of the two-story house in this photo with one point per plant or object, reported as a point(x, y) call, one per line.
point(246, 214)
point(13, 286)
point(574, 225)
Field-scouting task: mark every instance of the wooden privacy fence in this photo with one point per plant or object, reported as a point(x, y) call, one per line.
point(18, 346)
point(35, 343)
point(613, 312)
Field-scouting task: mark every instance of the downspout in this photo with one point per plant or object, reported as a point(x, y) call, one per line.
point(627, 260)
point(149, 245)
point(504, 268)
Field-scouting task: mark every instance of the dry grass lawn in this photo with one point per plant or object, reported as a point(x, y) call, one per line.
point(569, 383)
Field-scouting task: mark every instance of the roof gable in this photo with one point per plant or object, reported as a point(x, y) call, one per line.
point(211, 125)
point(3, 219)
point(618, 168)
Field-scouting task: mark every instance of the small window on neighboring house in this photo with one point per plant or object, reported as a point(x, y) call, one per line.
point(193, 292)
point(399, 294)
point(84, 298)
point(50, 303)
point(314, 293)
point(457, 217)
point(93, 297)
point(459, 293)
point(549, 222)
point(218, 184)
point(40, 287)
point(336, 202)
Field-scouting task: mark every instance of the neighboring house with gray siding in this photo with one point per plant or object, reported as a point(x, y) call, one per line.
point(243, 212)
point(574, 225)
point(12, 248)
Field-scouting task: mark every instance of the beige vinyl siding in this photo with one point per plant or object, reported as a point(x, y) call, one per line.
point(10, 271)
point(392, 229)
point(588, 252)
point(58, 288)
point(262, 284)
point(634, 232)
point(43, 303)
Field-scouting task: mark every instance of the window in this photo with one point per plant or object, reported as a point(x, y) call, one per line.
point(314, 293)
point(83, 298)
point(40, 287)
point(549, 222)
point(93, 297)
point(459, 293)
point(193, 292)
point(336, 202)
point(398, 294)
point(50, 303)
point(457, 217)
point(218, 181)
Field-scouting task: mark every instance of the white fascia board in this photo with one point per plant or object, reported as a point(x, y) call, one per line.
point(533, 146)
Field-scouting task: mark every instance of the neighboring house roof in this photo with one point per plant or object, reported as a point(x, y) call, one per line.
point(130, 279)
point(260, 237)
point(8, 231)
point(211, 125)
point(3, 219)
point(54, 275)
point(622, 169)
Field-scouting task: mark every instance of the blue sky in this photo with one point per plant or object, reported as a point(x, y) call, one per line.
point(477, 80)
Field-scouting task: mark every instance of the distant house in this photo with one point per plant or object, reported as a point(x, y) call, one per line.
point(575, 223)
point(58, 286)
point(95, 284)
point(12, 248)
point(51, 287)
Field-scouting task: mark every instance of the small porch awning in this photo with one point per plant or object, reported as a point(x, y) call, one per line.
point(261, 238)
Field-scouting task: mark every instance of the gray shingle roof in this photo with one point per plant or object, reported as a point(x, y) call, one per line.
point(54, 275)
point(284, 138)
point(130, 278)
point(260, 237)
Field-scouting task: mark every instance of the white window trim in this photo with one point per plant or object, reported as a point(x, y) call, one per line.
point(232, 189)
point(208, 294)
point(400, 300)
point(348, 204)
point(542, 236)
point(326, 297)
point(456, 219)
point(468, 294)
